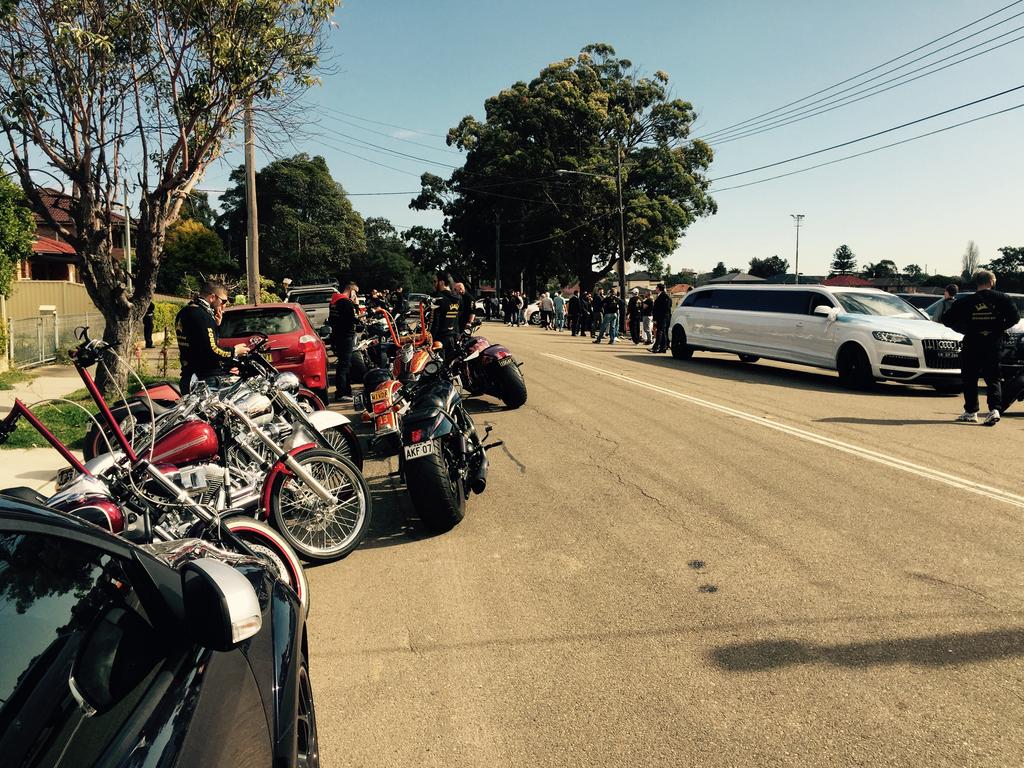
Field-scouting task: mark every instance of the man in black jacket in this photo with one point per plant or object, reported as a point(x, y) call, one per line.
point(633, 315)
point(444, 323)
point(662, 315)
point(195, 327)
point(982, 318)
point(344, 322)
point(574, 310)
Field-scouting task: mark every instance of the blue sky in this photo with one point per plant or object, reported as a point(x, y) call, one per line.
point(423, 66)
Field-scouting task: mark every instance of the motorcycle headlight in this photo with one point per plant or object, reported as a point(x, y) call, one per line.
point(287, 382)
point(891, 337)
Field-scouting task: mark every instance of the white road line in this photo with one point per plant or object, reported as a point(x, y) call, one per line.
point(928, 473)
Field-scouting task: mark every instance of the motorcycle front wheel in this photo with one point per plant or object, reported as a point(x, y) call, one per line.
point(267, 543)
point(343, 440)
point(436, 490)
point(317, 530)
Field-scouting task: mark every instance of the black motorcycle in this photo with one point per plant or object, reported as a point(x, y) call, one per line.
point(443, 457)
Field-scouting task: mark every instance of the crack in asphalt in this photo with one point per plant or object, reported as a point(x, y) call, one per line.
point(928, 577)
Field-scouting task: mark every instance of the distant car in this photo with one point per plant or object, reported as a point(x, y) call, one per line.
point(315, 301)
point(294, 344)
point(531, 313)
point(920, 300)
point(116, 656)
point(932, 310)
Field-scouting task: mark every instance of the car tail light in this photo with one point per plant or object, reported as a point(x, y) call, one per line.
point(307, 342)
point(416, 435)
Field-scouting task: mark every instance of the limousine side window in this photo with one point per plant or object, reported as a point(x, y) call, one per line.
point(700, 299)
point(782, 302)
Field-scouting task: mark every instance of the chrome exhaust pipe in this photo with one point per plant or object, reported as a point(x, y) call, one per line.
point(478, 481)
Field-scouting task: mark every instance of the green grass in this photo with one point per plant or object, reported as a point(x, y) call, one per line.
point(9, 378)
point(66, 421)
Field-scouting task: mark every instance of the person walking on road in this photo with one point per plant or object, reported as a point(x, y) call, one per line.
point(633, 316)
point(596, 312)
point(662, 315)
point(558, 302)
point(982, 318)
point(646, 320)
point(547, 311)
point(612, 308)
point(344, 320)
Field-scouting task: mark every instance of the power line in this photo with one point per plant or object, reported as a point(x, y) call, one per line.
point(388, 135)
point(871, 151)
point(809, 110)
point(867, 71)
point(392, 125)
point(870, 135)
point(371, 145)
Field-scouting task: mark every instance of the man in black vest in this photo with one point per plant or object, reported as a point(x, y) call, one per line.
point(982, 318)
point(662, 316)
point(196, 329)
point(344, 322)
point(444, 323)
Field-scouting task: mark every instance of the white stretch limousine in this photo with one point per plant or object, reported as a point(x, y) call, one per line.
point(863, 333)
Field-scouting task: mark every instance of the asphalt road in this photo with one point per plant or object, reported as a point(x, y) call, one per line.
point(701, 563)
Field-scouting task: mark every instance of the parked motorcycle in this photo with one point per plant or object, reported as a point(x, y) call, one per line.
point(327, 429)
point(443, 457)
point(486, 368)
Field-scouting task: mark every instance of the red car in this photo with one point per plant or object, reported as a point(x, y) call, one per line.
point(294, 344)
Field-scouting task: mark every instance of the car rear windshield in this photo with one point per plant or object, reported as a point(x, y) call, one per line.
point(884, 304)
point(242, 322)
point(312, 297)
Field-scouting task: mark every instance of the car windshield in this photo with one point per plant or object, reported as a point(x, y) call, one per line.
point(884, 304)
point(242, 322)
point(312, 297)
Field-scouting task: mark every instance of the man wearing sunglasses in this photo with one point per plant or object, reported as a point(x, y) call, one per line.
point(196, 329)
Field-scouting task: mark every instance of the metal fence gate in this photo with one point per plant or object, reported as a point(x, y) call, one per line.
point(36, 340)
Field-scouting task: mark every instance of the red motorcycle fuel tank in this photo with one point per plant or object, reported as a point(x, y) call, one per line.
point(187, 443)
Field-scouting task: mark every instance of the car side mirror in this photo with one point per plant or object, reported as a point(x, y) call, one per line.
point(221, 607)
point(117, 654)
point(823, 310)
point(324, 332)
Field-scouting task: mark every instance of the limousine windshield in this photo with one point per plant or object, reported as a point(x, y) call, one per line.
point(885, 305)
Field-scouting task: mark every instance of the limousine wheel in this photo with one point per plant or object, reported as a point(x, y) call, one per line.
point(854, 367)
point(749, 358)
point(680, 349)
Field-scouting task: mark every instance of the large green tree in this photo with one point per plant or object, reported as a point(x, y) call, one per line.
point(884, 268)
point(768, 267)
point(308, 228)
point(103, 92)
point(385, 263)
point(844, 262)
point(17, 231)
point(543, 165)
point(190, 249)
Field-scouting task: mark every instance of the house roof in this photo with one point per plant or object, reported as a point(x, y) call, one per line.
point(59, 206)
point(49, 245)
point(679, 288)
point(847, 281)
point(737, 277)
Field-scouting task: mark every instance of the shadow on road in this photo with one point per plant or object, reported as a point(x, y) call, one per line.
point(933, 651)
point(774, 376)
point(887, 422)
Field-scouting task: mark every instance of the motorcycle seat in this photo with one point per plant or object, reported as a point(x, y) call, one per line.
point(24, 493)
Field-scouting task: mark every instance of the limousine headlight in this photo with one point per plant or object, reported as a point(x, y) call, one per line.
point(892, 338)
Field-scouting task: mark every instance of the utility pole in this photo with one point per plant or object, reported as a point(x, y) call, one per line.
point(622, 226)
point(797, 217)
point(497, 255)
point(252, 242)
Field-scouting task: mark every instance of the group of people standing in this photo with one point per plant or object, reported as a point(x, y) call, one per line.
point(645, 318)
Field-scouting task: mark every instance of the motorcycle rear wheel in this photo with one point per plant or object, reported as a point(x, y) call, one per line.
point(318, 532)
point(511, 385)
point(436, 491)
point(271, 545)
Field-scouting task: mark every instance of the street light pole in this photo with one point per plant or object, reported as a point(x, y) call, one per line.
point(797, 217)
